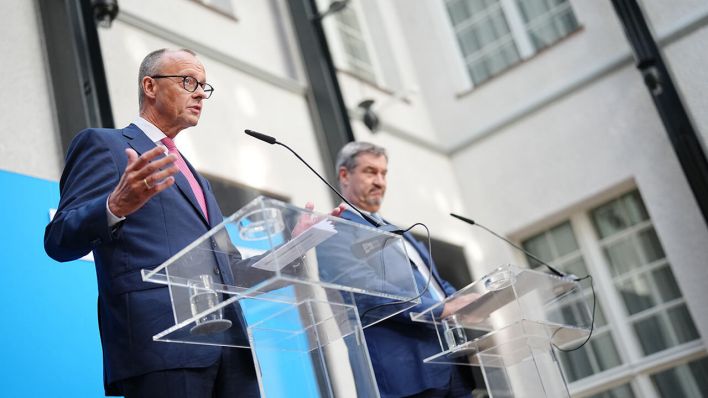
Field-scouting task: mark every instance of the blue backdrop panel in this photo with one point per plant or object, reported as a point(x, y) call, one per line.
point(50, 344)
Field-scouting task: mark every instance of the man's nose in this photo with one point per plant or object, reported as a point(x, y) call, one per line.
point(199, 92)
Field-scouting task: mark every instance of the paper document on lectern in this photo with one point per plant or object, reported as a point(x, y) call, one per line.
point(297, 247)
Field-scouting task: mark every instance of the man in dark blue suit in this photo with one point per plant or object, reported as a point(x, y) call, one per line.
point(124, 198)
point(397, 346)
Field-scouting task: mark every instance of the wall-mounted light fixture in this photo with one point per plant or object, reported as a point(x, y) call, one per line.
point(368, 116)
point(104, 12)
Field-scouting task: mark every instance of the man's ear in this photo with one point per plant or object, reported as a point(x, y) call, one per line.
point(343, 175)
point(149, 87)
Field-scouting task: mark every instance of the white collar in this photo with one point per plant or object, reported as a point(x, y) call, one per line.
point(153, 132)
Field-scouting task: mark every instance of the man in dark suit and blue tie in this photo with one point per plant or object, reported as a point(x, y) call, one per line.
point(131, 198)
point(397, 346)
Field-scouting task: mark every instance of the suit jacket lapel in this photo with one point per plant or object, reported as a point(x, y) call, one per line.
point(141, 143)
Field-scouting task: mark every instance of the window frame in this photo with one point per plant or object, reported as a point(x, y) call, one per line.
point(637, 368)
point(521, 39)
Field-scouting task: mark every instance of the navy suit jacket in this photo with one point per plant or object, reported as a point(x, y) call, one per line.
point(130, 311)
point(397, 346)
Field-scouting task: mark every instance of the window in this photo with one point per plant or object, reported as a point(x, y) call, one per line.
point(493, 35)
point(617, 244)
point(356, 53)
point(547, 21)
point(559, 247)
point(642, 274)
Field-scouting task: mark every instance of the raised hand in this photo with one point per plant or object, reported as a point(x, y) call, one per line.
point(308, 220)
point(143, 178)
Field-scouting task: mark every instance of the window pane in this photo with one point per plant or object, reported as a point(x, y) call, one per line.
point(636, 293)
point(699, 370)
point(682, 324)
point(650, 245)
point(624, 391)
point(564, 239)
point(608, 220)
point(622, 256)
point(566, 22)
point(544, 35)
point(356, 52)
point(576, 364)
point(600, 319)
point(576, 267)
point(665, 282)
point(652, 335)
point(468, 41)
point(605, 352)
point(684, 381)
point(458, 11)
point(540, 247)
point(478, 71)
point(531, 9)
point(496, 62)
point(634, 207)
point(547, 22)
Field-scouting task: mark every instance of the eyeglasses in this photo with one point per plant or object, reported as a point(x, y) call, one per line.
point(190, 84)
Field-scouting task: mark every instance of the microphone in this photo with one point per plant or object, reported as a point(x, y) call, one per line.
point(472, 222)
point(574, 278)
point(272, 140)
point(262, 137)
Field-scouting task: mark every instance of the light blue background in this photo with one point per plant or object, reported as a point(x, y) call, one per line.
point(50, 343)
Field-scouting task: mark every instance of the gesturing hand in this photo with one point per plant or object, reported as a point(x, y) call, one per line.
point(143, 178)
point(308, 220)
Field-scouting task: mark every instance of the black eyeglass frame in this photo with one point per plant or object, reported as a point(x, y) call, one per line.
point(206, 87)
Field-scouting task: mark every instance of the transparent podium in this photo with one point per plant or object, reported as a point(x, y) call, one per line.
point(508, 324)
point(290, 285)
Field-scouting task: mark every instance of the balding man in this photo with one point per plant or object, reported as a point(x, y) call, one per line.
point(134, 206)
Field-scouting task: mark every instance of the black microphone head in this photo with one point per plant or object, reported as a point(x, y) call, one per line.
point(465, 219)
point(262, 137)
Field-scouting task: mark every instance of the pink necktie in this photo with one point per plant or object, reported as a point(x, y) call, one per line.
point(182, 165)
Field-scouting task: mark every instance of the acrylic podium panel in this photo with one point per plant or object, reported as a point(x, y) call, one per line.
point(256, 277)
point(512, 320)
point(324, 339)
point(338, 260)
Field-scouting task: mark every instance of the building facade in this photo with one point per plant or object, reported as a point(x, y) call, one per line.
point(525, 115)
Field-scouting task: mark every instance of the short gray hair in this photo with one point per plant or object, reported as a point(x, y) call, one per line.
point(151, 66)
point(347, 155)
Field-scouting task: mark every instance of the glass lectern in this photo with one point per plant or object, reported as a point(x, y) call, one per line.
point(508, 326)
point(290, 285)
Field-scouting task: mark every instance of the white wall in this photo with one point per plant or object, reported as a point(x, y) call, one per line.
point(255, 36)
point(241, 100)
point(29, 141)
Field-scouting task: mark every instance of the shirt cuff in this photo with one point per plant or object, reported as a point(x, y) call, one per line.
point(112, 218)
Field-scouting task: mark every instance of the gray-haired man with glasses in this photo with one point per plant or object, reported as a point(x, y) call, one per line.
point(129, 196)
